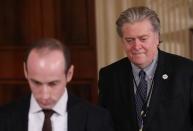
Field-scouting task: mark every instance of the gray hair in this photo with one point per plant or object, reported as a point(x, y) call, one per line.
point(136, 14)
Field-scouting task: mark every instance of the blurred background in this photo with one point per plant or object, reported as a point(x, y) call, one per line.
point(88, 28)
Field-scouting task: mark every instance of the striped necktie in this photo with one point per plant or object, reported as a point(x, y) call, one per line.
point(140, 97)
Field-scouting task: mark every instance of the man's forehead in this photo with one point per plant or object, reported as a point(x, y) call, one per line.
point(45, 58)
point(46, 53)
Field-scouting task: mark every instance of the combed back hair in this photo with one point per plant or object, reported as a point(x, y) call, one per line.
point(137, 14)
point(50, 44)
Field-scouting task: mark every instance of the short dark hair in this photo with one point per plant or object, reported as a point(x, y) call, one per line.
point(136, 14)
point(50, 44)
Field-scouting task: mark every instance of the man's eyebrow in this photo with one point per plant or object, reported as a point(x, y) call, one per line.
point(34, 80)
point(148, 34)
point(54, 81)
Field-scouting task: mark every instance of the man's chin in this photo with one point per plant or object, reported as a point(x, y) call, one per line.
point(140, 64)
point(46, 106)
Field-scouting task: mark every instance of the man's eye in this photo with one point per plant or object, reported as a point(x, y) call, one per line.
point(143, 39)
point(53, 84)
point(129, 40)
point(36, 82)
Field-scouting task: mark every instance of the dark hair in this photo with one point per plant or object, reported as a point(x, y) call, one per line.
point(50, 44)
point(136, 14)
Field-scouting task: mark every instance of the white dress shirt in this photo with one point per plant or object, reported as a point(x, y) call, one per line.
point(58, 119)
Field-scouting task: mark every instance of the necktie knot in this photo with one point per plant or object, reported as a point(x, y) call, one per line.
point(48, 113)
point(142, 74)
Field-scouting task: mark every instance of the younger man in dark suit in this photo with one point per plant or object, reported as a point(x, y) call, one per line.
point(149, 90)
point(48, 69)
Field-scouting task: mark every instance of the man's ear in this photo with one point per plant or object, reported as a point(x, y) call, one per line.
point(25, 69)
point(70, 73)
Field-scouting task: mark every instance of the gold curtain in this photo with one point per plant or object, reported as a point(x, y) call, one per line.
point(175, 24)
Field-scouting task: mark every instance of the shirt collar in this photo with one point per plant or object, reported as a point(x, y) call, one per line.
point(149, 70)
point(34, 106)
point(61, 106)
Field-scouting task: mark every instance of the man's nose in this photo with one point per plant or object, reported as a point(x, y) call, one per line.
point(45, 92)
point(137, 44)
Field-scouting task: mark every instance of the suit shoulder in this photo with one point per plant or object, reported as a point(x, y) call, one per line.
point(175, 63)
point(96, 112)
point(116, 65)
point(178, 60)
point(18, 106)
point(84, 106)
point(92, 117)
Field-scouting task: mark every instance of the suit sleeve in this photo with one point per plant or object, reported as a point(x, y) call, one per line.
point(105, 85)
point(101, 86)
point(191, 90)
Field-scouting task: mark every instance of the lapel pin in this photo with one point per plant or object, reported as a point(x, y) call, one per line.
point(165, 76)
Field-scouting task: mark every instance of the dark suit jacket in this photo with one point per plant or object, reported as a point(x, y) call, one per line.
point(171, 105)
point(81, 116)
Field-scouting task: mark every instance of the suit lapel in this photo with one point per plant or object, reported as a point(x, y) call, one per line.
point(23, 126)
point(160, 83)
point(20, 116)
point(127, 94)
point(24, 118)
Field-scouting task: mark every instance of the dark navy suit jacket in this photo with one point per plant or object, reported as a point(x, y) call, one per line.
point(81, 116)
point(171, 104)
